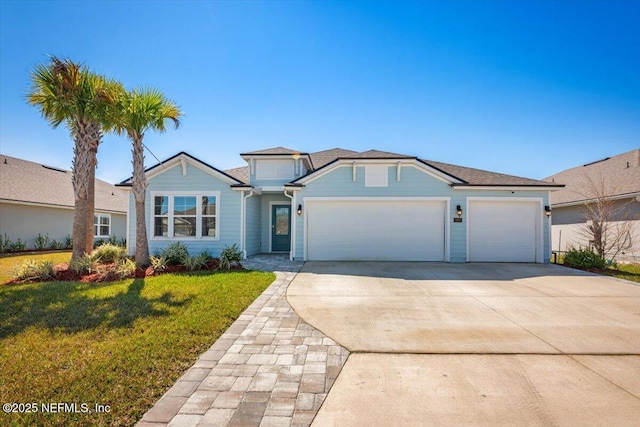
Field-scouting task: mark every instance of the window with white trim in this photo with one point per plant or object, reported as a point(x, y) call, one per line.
point(101, 225)
point(189, 216)
point(376, 176)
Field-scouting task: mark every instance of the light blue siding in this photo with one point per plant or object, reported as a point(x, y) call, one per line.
point(254, 225)
point(172, 180)
point(414, 182)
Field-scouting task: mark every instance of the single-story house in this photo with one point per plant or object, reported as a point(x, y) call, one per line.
point(340, 204)
point(38, 199)
point(615, 179)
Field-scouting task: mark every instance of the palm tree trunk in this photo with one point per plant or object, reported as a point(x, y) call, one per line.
point(95, 135)
point(139, 186)
point(81, 175)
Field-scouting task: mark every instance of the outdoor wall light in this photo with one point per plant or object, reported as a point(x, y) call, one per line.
point(299, 210)
point(547, 210)
point(459, 211)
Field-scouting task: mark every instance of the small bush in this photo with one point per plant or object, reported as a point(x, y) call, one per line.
point(125, 268)
point(5, 243)
point(42, 242)
point(583, 258)
point(68, 242)
point(33, 269)
point(56, 245)
point(230, 256)
point(17, 246)
point(108, 252)
point(158, 263)
point(82, 265)
point(197, 262)
point(176, 253)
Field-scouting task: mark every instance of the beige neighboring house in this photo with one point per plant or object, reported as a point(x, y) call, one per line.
point(38, 199)
point(621, 178)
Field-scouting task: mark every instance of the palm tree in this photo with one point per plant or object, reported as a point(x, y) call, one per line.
point(66, 92)
point(142, 110)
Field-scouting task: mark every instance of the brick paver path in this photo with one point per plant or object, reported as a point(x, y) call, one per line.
point(270, 368)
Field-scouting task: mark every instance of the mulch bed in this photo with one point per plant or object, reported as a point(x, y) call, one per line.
point(107, 273)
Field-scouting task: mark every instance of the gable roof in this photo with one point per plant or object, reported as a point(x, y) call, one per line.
point(377, 154)
point(479, 177)
point(321, 158)
point(275, 151)
point(621, 174)
point(33, 183)
point(173, 160)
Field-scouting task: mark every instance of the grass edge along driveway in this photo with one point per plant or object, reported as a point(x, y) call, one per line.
point(121, 344)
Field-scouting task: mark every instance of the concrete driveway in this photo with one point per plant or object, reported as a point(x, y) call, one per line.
point(475, 344)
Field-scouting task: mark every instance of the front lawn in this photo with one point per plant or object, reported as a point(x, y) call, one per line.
point(621, 271)
point(9, 261)
point(121, 344)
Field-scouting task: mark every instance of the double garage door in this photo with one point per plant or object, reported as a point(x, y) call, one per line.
point(369, 230)
point(416, 230)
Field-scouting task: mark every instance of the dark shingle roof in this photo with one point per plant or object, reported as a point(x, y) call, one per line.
point(621, 174)
point(377, 154)
point(241, 173)
point(473, 176)
point(321, 158)
point(273, 152)
point(24, 181)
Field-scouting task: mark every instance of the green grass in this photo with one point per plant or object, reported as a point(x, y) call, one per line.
point(629, 272)
point(121, 344)
point(9, 261)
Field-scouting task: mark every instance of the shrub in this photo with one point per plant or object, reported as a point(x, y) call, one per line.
point(158, 263)
point(197, 262)
point(42, 242)
point(229, 256)
point(33, 269)
point(5, 243)
point(108, 252)
point(583, 258)
point(56, 245)
point(68, 242)
point(17, 246)
point(82, 265)
point(176, 253)
point(125, 267)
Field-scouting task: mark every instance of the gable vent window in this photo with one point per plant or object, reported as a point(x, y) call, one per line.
point(186, 216)
point(376, 176)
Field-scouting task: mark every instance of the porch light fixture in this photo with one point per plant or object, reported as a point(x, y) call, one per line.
point(299, 210)
point(459, 211)
point(547, 210)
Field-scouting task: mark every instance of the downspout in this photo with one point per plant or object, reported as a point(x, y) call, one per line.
point(243, 227)
point(293, 227)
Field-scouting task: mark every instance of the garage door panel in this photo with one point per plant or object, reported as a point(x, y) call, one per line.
point(503, 231)
point(375, 230)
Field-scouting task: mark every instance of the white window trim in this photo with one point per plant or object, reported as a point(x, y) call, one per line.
point(171, 195)
point(100, 214)
point(373, 176)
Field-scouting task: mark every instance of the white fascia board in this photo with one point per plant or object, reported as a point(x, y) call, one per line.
point(182, 160)
point(271, 188)
point(502, 188)
point(254, 191)
point(65, 207)
point(635, 195)
point(390, 162)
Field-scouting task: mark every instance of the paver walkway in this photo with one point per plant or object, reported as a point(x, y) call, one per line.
point(270, 368)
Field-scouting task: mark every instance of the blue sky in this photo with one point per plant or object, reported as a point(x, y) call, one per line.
point(526, 88)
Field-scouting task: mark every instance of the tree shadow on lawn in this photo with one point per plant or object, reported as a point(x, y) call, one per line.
point(71, 307)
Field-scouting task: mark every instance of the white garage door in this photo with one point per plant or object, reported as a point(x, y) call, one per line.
point(365, 230)
point(503, 231)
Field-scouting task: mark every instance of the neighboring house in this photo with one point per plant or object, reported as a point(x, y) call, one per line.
point(618, 179)
point(345, 205)
point(38, 199)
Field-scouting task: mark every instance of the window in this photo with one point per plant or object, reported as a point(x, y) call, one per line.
point(376, 176)
point(185, 216)
point(101, 225)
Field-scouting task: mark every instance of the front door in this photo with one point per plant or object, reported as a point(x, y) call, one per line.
point(280, 228)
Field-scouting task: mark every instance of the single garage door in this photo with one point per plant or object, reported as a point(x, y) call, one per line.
point(501, 231)
point(366, 230)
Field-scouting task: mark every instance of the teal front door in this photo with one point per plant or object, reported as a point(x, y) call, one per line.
point(280, 228)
